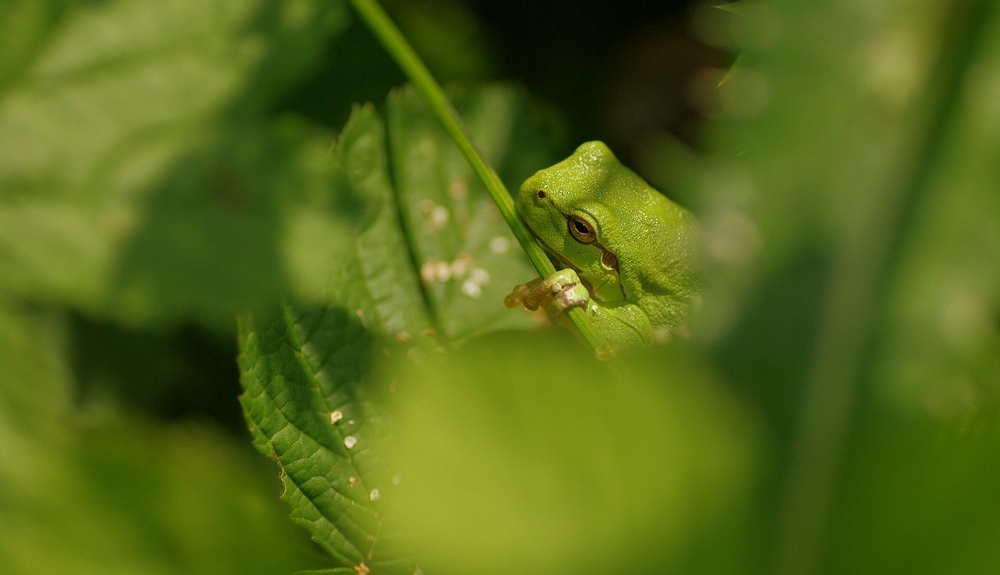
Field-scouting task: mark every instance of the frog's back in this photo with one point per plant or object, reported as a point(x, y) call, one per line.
point(656, 242)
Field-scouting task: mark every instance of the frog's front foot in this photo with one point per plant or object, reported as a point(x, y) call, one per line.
point(556, 293)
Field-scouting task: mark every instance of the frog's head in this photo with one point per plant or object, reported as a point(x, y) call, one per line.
point(624, 238)
point(573, 208)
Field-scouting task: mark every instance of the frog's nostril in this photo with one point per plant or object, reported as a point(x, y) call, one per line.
point(541, 194)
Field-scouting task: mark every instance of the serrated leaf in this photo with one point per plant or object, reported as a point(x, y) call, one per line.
point(315, 397)
point(307, 372)
point(733, 68)
point(310, 403)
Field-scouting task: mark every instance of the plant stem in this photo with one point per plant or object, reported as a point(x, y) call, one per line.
point(395, 43)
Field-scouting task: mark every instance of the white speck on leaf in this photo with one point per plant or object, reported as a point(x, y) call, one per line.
point(375, 495)
point(435, 270)
point(480, 276)
point(471, 289)
point(499, 245)
point(414, 354)
point(439, 216)
point(427, 272)
point(461, 265)
point(336, 416)
point(457, 189)
point(426, 147)
point(350, 441)
point(443, 272)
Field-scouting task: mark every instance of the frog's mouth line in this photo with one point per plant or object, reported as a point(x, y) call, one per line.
point(552, 252)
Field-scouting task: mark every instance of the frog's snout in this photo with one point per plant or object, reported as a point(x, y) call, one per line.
point(529, 192)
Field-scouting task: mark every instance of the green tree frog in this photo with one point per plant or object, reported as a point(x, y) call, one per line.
point(629, 252)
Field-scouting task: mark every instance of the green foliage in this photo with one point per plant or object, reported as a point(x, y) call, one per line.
point(89, 491)
point(106, 137)
point(303, 364)
point(556, 467)
point(166, 166)
point(113, 116)
point(458, 236)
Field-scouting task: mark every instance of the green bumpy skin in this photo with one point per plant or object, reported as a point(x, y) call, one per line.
point(629, 251)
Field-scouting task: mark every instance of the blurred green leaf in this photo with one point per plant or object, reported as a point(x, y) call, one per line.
point(860, 146)
point(942, 351)
point(519, 453)
point(916, 500)
point(450, 39)
point(23, 26)
point(91, 492)
point(112, 135)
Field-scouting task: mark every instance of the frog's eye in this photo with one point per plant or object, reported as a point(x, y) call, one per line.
point(540, 194)
point(581, 230)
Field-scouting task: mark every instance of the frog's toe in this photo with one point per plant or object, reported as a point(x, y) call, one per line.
point(556, 293)
point(575, 295)
point(539, 294)
point(519, 294)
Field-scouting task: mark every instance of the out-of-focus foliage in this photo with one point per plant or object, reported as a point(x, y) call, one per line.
point(92, 491)
point(303, 364)
point(852, 214)
point(139, 174)
point(168, 164)
point(942, 352)
point(108, 132)
point(554, 467)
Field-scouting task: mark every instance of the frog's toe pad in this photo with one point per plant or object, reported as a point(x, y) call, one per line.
point(575, 295)
point(521, 294)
